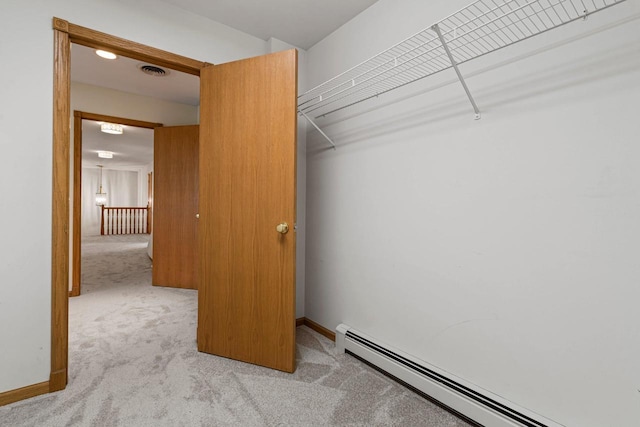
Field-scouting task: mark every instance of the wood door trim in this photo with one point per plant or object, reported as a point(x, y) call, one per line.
point(64, 34)
point(60, 211)
point(119, 46)
point(120, 120)
point(150, 190)
point(76, 256)
point(22, 393)
point(317, 327)
point(76, 253)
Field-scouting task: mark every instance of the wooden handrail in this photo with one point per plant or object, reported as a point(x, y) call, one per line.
point(125, 220)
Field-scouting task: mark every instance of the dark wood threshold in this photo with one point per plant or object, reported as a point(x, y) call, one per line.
point(316, 327)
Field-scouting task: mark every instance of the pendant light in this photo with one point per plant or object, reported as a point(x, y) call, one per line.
point(101, 198)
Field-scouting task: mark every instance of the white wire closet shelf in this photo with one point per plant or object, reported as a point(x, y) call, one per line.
point(476, 30)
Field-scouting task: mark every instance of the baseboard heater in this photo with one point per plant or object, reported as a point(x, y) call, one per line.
point(464, 398)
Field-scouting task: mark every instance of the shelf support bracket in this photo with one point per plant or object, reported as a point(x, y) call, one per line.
point(454, 64)
point(318, 128)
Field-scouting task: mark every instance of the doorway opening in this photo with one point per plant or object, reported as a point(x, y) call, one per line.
point(136, 219)
point(247, 164)
point(66, 33)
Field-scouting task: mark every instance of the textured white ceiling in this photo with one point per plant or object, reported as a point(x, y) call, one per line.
point(301, 23)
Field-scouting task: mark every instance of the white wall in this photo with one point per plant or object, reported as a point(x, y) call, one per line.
point(26, 123)
point(504, 250)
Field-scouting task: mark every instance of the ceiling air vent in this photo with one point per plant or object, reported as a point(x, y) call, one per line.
point(152, 70)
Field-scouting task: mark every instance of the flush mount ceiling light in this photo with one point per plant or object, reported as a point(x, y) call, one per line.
point(105, 154)
point(106, 54)
point(112, 128)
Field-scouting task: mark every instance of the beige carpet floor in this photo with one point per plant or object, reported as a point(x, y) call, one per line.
point(133, 362)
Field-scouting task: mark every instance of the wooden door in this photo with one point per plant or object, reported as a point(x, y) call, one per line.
point(175, 205)
point(246, 295)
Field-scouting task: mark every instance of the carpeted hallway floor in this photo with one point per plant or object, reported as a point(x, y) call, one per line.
point(133, 362)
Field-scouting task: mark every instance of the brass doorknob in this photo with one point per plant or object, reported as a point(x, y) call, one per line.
point(282, 228)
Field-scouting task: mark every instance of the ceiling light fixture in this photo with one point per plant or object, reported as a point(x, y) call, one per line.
point(105, 154)
point(112, 128)
point(106, 54)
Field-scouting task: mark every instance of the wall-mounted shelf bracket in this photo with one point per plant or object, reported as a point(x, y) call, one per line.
point(318, 128)
point(454, 64)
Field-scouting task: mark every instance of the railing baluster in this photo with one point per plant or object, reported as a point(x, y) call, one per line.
point(125, 220)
